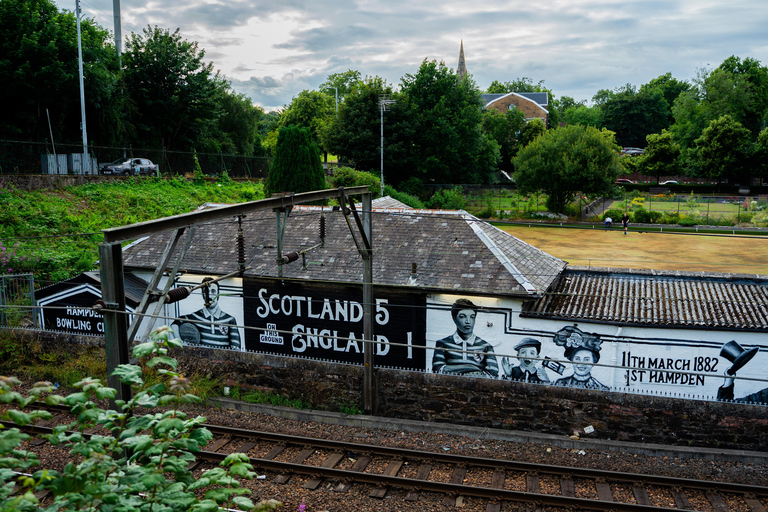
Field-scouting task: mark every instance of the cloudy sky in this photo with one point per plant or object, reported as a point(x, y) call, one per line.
point(272, 50)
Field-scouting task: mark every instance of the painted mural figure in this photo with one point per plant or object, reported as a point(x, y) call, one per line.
point(526, 371)
point(464, 353)
point(581, 349)
point(739, 356)
point(209, 326)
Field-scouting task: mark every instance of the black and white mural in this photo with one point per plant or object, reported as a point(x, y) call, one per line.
point(471, 336)
point(295, 319)
point(210, 316)
point(486, 337)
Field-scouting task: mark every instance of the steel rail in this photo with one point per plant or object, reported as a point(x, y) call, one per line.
point(451, 489)
point(471, 461)
point(439, 487)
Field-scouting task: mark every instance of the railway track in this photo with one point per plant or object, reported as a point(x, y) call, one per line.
point(503, 484)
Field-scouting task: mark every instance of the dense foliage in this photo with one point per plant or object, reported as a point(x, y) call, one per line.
point(568, 161)
point(164, 97)
point(143, 465)
point(296, 166)
point(436, 130)
point(55, 233)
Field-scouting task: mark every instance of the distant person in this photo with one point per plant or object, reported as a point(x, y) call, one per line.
point(526, 371)
point(608, 223)
point(625, 222)
point(210, 326)
point(464, 353)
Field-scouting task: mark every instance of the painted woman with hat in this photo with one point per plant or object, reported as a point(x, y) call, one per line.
point(738, 356)
point(527, 353)
point(583, 351)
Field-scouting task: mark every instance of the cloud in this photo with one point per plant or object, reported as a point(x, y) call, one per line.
point(273, 50)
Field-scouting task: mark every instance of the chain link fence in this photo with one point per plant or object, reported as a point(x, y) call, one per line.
point(17, 302)
point(18, 157)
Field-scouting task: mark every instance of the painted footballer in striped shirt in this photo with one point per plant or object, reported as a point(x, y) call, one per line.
point(464, 353)
point(209, 326)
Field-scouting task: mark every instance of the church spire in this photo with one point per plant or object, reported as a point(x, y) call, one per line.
point(461, 70)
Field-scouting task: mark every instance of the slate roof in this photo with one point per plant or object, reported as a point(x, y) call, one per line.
point(134, 286)
point(541, 98)
point(453, 251)
point(657, 298)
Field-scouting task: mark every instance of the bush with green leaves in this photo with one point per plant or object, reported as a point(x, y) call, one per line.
point(143, 465)
point(643, 216)
point(448, 199)
point(403, 197)
point(348, 177)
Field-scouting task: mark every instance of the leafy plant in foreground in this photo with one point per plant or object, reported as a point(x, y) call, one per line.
point(142, 465)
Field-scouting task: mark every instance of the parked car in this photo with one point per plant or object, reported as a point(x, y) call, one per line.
point(624, 181)
point(632, 151)
point(129, 166)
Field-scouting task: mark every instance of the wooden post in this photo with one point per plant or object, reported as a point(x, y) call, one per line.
point(115, 316)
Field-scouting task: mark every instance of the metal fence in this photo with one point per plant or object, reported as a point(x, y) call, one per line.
point(700, 209)
point(18, 157)
point(17, 302)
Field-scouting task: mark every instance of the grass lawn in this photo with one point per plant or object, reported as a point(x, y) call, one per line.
point(662, 251)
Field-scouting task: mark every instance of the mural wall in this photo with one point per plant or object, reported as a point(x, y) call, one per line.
point(210, 316)
point(311, 320)
point(472, 336)
point(490, 339)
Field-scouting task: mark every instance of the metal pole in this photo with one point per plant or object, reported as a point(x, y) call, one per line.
point(369, 397)
point(381, 108)
point(118, 31)
point(82, 87)
point(115, 316)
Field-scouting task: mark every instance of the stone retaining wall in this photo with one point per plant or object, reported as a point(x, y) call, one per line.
point(473, 402)
point(494, 403)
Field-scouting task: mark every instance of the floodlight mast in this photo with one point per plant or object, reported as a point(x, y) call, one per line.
point(384, 102)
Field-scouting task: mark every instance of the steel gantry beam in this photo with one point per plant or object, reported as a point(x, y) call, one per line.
point(116, 336)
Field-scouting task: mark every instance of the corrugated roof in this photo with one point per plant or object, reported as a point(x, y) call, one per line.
point(674, 299)
point(453, 251)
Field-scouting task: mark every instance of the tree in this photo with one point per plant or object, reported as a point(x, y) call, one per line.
point(531, 131)
point(736, 88)
point(587, 116)
point(724, 149)
point(661, 154)
point(309, 109)
point(436, 127)
point(354, 135)
point(567, 161)
point(173, 92)
point(504, 129)
point(238, 126)
point(756, 77)
point(633, 115)
point(39, 75)
point(670, 89)
point(760, 157)
point(341, 83)
point(296, 165)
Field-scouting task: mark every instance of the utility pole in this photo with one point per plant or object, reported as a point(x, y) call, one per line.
point(82, 87)
point(384, 102)
point(337, 97)
point(118, 31)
